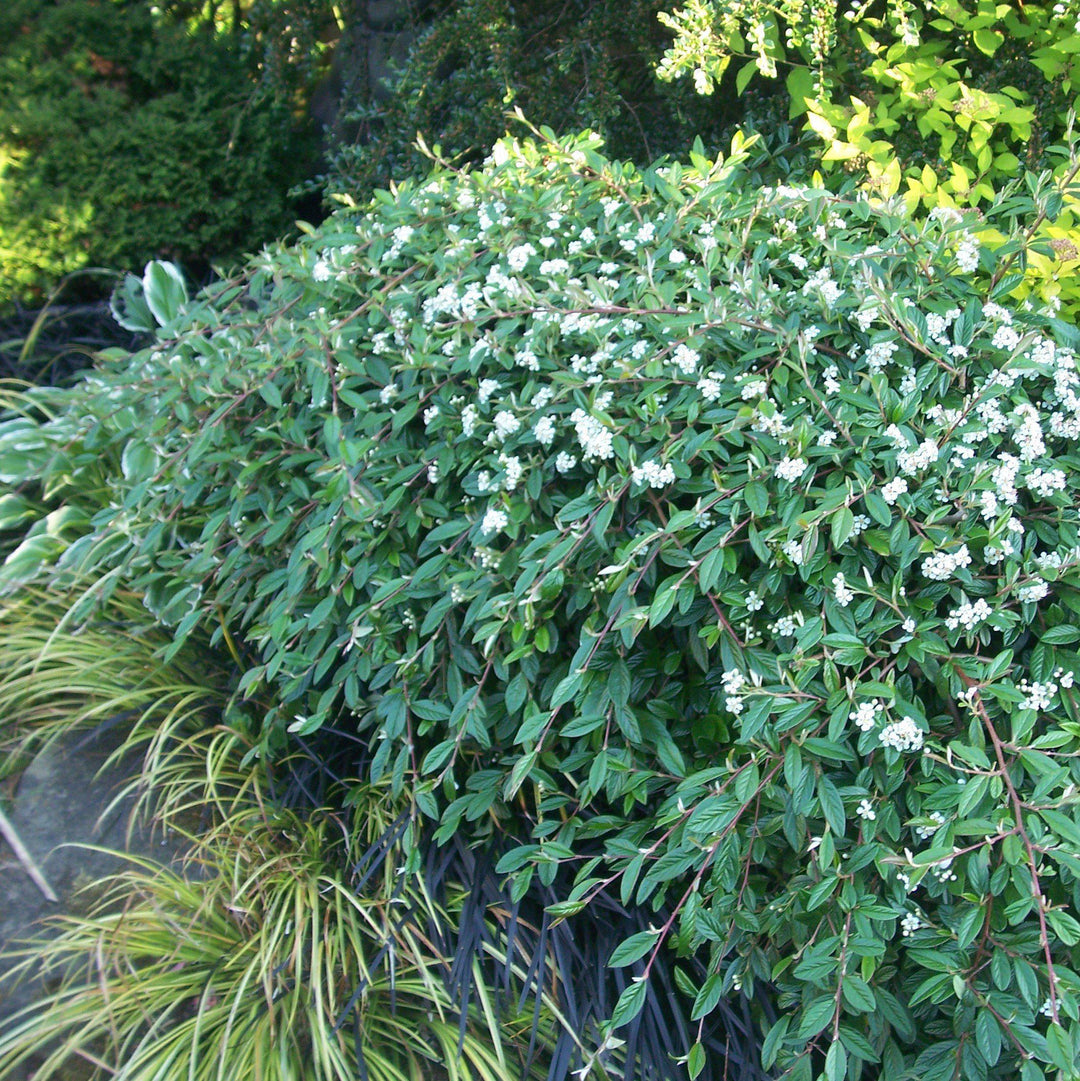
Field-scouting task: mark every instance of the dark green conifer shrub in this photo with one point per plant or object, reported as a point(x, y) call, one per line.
point(571, 64)
point(713, 540)
point(124, 137)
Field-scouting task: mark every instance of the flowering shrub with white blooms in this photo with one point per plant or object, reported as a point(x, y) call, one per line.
point(751, 599)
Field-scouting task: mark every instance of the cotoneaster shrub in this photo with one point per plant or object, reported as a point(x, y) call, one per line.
point(717, 541)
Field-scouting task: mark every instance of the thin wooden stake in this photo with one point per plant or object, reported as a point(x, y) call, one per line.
point(24, 857)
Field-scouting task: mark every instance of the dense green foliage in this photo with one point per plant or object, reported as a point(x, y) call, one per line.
point(717, 541)
point(941, 100)
point(124, 136)
point(569, 64)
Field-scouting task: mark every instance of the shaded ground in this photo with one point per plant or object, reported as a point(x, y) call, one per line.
point(63, 799)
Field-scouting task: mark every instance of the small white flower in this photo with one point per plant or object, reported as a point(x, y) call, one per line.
point(941, 565)
point(865, 810)
point(685, 358)
point(969, 615)
point(494, 521)
point(733, 681)
point(565, 462)
point(924, 833)
point(902, 735)
point(841, 591)
point(790, 469)
point(892, 491)
point(1037, 696)
point(967, 254)
point(544, 431)
point(653, 474)
point(709, 386)
point(910, 924)
point(865, 715)
point(518, 257)
point(505, 425)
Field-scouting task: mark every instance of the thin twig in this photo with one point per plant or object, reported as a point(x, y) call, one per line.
point(24, 857)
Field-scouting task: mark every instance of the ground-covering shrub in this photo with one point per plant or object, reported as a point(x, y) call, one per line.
point(714, 540)
point(126, 136)
point(943, 101)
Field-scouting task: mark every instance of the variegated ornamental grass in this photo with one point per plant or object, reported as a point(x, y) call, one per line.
point(714, 539)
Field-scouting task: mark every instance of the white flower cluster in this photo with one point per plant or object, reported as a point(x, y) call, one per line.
point(518, 257)
point(821, 282)
point(794, 551)
point(943, 871)
point(709, 386)
point(910, 924)
point(967, 254)
point(1028, 434)
point(790, 469)
point(879, 354)
point(969, 615)
point(506, 424)
point(865, 715)
point(894, 489)
point(1044, 482)
point(733, 681)
point(924, 833)
point(554, 268)
point(1037, 696)
point(653, 474)
point(595, 439)
point(686, 359)
point(911, 461)
point(495, 521)
point(1035, 590)
point(941, 566)
point(902, 735)
point(841, 591)
point(544, 431)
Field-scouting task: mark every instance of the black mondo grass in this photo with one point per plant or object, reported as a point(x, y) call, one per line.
point(531, 955)
point(510, 953)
